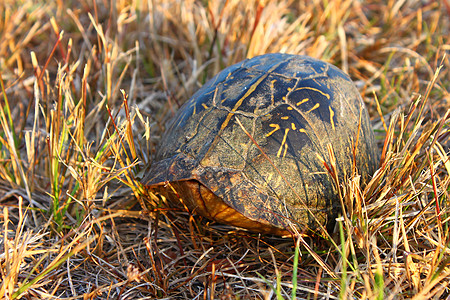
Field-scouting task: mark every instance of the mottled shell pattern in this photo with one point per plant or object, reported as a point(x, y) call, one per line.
point(250, 140)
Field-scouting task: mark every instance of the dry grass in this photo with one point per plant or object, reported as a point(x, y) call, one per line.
point(86, 89)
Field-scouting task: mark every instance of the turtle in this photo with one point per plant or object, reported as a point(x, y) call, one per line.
point(251, 147)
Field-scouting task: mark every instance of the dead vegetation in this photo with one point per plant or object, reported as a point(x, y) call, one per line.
point(86, 89)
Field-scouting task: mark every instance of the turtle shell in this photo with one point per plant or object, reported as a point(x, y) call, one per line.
point(248, 148)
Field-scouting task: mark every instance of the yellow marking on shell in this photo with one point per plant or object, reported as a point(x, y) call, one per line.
point(283, 143)
point(302, 130)
point(284, 117)
point(205, 106)
point(293, 126)
point(314, 107)
point(276, 127)
point(314, 89)
point(239, 102)
point(331, 118)
point(272, 88)
point(214, 97)
point(289, 108)
point(303, 101)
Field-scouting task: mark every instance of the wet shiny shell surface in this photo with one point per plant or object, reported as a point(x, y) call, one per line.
point(250, 140)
